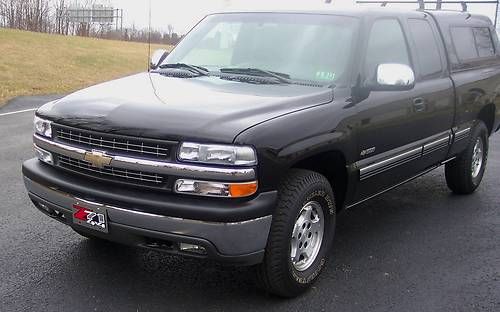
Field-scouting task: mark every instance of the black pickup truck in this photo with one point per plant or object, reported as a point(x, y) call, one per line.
point(245, 142)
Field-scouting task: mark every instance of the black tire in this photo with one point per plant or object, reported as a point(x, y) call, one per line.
point(459, 173)
point(277, 274)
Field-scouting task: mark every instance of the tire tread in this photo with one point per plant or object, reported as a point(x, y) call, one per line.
point(457, 172)
point(270, 274)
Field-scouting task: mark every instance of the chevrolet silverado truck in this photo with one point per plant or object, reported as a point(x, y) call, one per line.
point(245, 142)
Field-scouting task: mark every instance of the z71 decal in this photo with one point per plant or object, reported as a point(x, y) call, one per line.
point(93, 219)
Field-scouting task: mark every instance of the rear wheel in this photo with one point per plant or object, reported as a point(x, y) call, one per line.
point(301, 234)
point(465, 173)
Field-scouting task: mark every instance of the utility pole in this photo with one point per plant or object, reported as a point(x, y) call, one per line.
point(497, 12)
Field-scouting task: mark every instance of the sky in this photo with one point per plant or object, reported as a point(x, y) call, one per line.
point(183, 14)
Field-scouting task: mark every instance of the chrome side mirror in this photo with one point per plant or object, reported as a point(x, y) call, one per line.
point(157, 58)
point(395, 77)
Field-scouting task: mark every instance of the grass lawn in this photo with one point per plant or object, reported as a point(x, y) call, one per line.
point(34, 63)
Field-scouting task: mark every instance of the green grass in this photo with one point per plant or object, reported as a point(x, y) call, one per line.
point(35, 63)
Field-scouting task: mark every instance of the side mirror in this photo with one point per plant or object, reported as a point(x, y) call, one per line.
point(157, 58)
point(394, 77)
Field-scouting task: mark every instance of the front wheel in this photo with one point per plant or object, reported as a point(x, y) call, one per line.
point(301, 234)
point(465, 173)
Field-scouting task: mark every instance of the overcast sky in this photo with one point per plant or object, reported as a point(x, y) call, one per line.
point(183, 14)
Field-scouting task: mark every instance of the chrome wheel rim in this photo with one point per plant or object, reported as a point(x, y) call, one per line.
point(477, 158)
point(307, 236)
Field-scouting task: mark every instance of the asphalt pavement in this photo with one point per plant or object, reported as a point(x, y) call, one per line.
point(416, 248)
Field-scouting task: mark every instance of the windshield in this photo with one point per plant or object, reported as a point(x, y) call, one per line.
point(302, 46)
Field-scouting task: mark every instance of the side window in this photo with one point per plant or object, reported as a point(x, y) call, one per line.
point(428, 54)
point(465, 45)
point(386, 44)
point(484, 42)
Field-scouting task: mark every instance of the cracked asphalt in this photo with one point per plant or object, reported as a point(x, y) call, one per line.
point(416, 248)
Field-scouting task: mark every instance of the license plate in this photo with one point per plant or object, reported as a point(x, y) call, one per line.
point(91, 216)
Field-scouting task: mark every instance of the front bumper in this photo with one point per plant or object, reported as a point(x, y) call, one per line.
point(240, 241)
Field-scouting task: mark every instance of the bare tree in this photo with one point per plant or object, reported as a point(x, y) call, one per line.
point(52, 16)
point(2, 13)
point(61, 17)
point(30, 15)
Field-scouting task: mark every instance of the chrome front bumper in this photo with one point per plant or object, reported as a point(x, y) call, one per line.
point(238, 242)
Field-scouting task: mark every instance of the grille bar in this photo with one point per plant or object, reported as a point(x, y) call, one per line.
point(164, 168)
point(130, 175)
point(116, 144)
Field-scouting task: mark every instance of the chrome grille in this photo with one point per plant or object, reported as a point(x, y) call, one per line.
point(115, 144)
point(116, 174)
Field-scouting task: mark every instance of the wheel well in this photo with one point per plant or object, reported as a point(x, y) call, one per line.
point(333, 166)
point(487, 115)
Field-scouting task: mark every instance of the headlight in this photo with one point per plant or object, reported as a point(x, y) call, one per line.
point(43, 127)
point(218, 154)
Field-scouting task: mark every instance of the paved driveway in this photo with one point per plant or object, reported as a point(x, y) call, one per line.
point(417, 248)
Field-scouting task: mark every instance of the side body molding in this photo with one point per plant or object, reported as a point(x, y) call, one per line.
point(380, 163)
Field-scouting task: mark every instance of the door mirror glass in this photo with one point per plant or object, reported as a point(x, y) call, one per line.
point(395, 77)
point(157, 58)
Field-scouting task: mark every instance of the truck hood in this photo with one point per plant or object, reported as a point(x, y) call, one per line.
point(155, 106)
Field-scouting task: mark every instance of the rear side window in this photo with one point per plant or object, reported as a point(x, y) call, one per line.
point(484, 42)
point(387, 44)
point(465, 45)
point(472, 43)
point(428, 54)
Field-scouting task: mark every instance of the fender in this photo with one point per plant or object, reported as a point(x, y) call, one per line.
point(285, 141)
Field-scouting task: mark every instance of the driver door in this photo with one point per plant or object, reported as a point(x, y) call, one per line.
point(388, 125)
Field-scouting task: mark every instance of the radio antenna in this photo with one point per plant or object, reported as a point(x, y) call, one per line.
point(149, 38)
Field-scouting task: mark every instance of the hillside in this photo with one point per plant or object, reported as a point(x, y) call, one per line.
point(36, 63)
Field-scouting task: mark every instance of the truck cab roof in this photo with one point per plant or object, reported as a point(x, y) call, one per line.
point(441, 16)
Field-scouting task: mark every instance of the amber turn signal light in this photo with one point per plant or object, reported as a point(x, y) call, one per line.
point(243, 189)
point(215, 189)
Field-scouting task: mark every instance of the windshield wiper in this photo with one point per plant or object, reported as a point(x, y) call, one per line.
point(202, 71)
point(283, 78)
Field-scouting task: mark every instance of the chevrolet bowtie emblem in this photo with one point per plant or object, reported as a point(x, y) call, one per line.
point(98, 159)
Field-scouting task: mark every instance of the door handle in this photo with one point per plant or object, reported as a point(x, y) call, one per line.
point(419, 105)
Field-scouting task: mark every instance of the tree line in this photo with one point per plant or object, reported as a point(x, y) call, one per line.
point(50, 16)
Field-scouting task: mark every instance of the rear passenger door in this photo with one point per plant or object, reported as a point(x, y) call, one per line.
point(434, 103)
